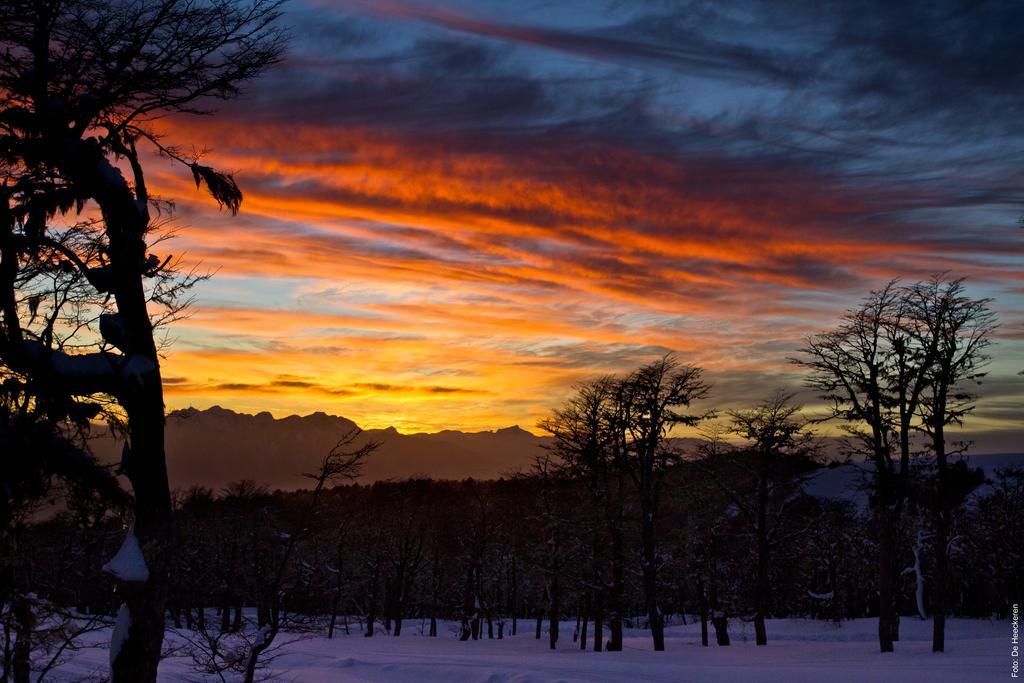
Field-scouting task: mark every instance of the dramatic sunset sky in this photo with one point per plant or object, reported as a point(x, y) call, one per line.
point(455, 211)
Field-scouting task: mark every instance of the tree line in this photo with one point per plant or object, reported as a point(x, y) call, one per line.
point(738, 540)
point(619, 524)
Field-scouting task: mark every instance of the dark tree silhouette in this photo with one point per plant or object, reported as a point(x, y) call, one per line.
point(850, 366)
point(652, 397)
point(342, 463)
point(894, 366)
point(961, 328)
point(822, 561)
point(80, 83)
point(770, 470)
point(586, 441)
point(36, 456)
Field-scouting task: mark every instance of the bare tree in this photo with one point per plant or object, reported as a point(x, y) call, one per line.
point(552, 518)
point(771, 473)
point(962, 329)
point(652, 397)
point(406, 539)
point(342, 463)
point(850, 367)
point(894, 366)
point(585, 441)
point(81, 83)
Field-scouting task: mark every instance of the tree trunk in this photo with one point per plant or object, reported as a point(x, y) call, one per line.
point(833, 573)
point(262, 612)
point(942, 525)
point(388, 605)
point(760, 598)
point(650, 576)
point(615, 590)
point(721, 624)
point(585, 616)
point(718, 618)
point(398, 603)
point(336, 598)
point(940, 580)
point(598, 621)
point(21, 661)
point(468, 605)
point(703, 617)
point(554, 611)
point(5, 675)
point(761, 578)
point(514, 595)
point(886, 582)
point(126, 223)
point(334, 617)
point(263, 642)
point(139, 655)
point(371, 615)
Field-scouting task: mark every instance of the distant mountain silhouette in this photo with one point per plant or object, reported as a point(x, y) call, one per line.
point(215, 446)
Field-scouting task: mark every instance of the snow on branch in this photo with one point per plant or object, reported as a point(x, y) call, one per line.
point(86, 373)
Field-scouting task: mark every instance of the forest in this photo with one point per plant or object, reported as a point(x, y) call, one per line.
point(619, 525)
point(514, 555)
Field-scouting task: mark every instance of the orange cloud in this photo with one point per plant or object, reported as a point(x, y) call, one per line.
point(453, 281)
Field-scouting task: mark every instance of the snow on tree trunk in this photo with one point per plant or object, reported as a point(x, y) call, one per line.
point(918, 575)
point(122, 626)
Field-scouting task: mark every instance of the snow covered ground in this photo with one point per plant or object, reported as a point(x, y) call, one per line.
point(798, 650)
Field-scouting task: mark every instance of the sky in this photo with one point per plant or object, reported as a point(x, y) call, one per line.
point(455, 211)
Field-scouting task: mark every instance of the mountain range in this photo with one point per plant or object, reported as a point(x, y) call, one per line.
point(216, 446)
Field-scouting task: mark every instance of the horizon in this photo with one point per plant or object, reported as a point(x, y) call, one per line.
point(993, 446)
point(286, 415)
